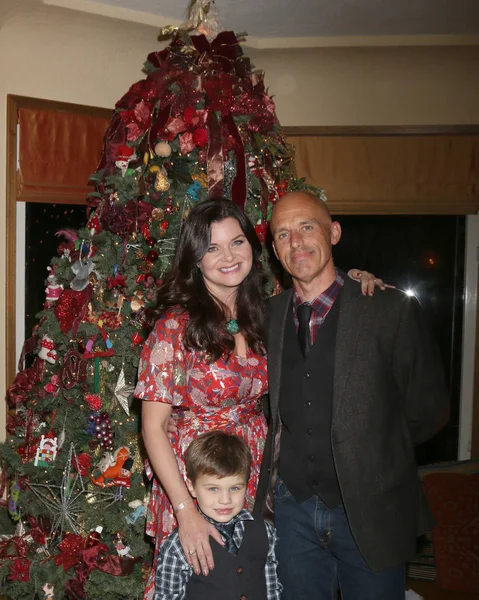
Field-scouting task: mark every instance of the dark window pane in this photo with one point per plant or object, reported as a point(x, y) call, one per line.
point(424, 254)
point(42, 222)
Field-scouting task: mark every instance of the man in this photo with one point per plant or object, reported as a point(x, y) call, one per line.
point(355, 383)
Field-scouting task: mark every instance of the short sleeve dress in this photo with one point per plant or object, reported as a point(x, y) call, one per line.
point(222, 395)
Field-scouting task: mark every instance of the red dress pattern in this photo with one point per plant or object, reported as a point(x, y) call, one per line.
point(221, 395)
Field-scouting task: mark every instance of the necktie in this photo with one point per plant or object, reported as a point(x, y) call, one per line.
point(303, 313)
point(227, 530)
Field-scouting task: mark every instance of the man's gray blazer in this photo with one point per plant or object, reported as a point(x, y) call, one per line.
point(389, 396)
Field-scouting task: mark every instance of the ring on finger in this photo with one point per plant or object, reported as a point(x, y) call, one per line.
point(192, 551)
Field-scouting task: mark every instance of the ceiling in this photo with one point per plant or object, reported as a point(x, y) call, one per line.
point(299, 20)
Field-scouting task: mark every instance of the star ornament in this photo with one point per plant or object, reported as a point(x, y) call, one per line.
point(64, 501)
point(122, 391)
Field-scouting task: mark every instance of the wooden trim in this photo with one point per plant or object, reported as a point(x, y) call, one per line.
point(26, 102)
point(53, 199)
point(13, 104)
point(11, 241)
point(339, 206)
point(380, 130)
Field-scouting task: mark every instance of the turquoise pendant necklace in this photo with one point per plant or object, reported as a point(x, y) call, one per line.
point(232, 326)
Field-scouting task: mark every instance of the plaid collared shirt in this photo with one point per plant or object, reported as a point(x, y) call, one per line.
point(320, 305)
point(173, 571)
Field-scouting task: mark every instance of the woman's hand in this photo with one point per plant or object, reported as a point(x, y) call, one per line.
point(368, 281)
point(194, 532)
point(172, 428)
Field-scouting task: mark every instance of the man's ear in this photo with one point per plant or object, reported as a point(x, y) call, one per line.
point(190, 487)
point(335, 232)
point(275, 253)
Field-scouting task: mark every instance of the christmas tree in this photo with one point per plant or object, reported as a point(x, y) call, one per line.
point(200, 125)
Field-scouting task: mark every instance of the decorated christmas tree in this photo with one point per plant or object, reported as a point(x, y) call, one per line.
point(200, 125)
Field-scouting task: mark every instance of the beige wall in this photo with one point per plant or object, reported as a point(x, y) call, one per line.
point(374, 86)
point(68, 56)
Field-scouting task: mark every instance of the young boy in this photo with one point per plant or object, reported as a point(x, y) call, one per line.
point(217, 467)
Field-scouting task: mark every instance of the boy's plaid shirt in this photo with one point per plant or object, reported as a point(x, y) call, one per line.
point(173, 571)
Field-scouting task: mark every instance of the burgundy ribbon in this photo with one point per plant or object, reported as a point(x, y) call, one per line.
point(264, 187)
point(29, 346)
point(215, 157)
point(18, 392)
point(238, 188)
point(96, 557)
point(16, 546)
point(88, 293)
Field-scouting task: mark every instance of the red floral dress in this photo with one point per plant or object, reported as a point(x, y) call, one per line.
point(221, 395)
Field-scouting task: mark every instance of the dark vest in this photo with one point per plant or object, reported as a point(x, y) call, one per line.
point(235, 576)
point(306, 463)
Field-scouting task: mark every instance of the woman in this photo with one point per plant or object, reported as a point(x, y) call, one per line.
point(205, 361)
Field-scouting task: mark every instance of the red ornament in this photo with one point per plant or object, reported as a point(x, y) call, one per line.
point(261, 229)
point(82, 464)
point(164, 225)
point(150, 241)
point(20, 570)
point(152, 256)
point(116, 282)
point(136, 338)
point(140, 278)
point(94, 401)
point(70, 548)
point(169, 210)
point(200, 137)
point(70, 307)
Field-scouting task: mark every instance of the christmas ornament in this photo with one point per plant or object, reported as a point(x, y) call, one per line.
point(47, 350)
point(158, 214)
point(161, 181)
point(61, 437)
point(123, 551)
point(53, 386)
point(49, 591)
point(20, 570)
point(112, 469)
point(94, 401)
point(90, 352)
point(66, 254)
point(150, 241)
point(82, 269)
point(137, 338)
point(193, 190)
point(122, 391)
point(70, 551)
point(139, 509)
point(93, 224)
point(82, 464)
point(53, 289)
point(94, 537)
point(152, 256)
point(123, 480)
point(62, 501)
point(102, 429)
point(46, 451)
point(13, 496)
point(163, 149)
point(125, 155)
